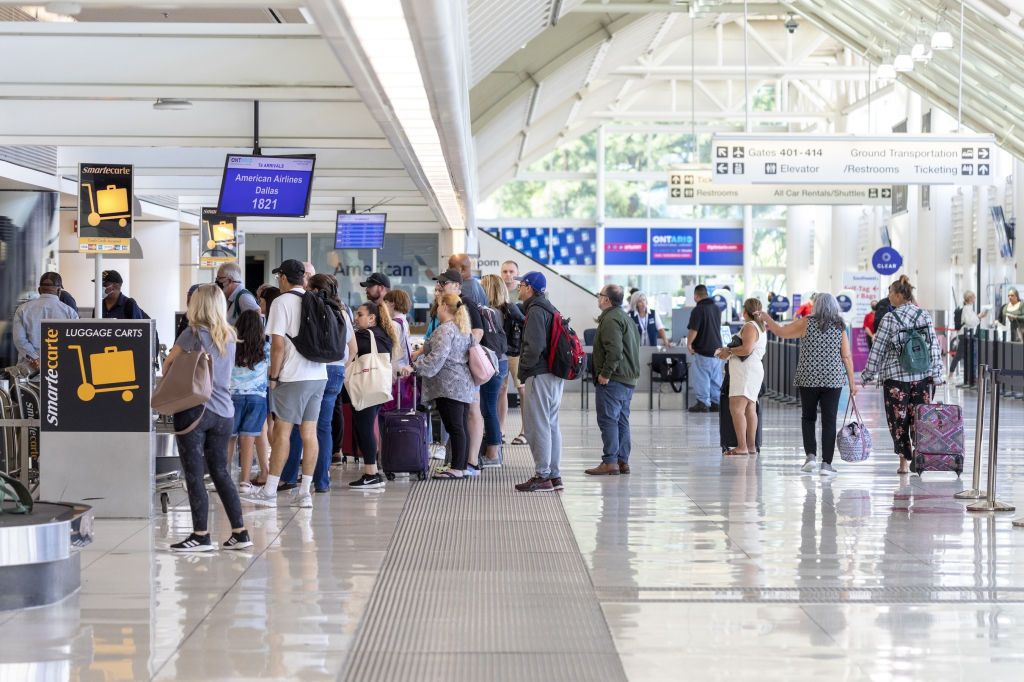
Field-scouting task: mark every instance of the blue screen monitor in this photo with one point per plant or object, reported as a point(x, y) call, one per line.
point(266, 185)
point(360, 230)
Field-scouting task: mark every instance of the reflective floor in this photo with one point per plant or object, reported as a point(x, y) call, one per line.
point(702, 567)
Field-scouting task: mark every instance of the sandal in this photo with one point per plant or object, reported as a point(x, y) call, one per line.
point(520, 440)
point(447, 474)
point(734, 452)
point(257, 483)
point(245, 488)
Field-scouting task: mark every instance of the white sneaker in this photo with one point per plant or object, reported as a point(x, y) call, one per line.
point(437, 451)
point(827, 470)
point(809, 465)
point(260, 497)
point(303, 501)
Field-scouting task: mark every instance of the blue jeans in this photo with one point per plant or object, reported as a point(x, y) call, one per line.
point(489, 393)
point(324, 437)
point(612, 402)
point(707, 378)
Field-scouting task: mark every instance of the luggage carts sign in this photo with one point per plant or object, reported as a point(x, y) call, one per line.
point(791, 159)
point(217, 239)
point(105, 198)
point(96, 375)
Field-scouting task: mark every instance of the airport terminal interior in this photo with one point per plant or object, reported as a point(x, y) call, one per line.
point(797, 157)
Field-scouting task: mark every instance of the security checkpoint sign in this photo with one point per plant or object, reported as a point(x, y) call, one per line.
point(739, 159)
point(105, 199)
point(96, 375)
point(695, 187)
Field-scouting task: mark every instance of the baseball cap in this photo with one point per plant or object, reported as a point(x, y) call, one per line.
point(450, 275)
point(111, 276)
point(291, 268)
point(376, 279)
point(535, 281)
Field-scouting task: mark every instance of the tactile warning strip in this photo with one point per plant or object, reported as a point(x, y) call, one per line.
point(481, 582)
point(902, 594)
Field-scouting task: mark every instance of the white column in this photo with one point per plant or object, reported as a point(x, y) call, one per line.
point(748, 251)
point(1018, 212)
point(599, 213)
point(155, 281)
point(843, 249)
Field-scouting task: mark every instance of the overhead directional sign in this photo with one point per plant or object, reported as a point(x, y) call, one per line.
point(695, 187)
point(740, 159)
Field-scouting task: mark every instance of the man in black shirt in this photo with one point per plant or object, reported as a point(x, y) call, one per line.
point(703, 339)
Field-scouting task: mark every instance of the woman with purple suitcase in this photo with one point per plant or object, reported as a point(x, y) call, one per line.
point(444, 366)
point(903, 390)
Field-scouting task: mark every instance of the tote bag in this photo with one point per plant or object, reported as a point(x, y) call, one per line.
point(483, 363)
point(187, 384)
point(368, 378)
point(853, 439)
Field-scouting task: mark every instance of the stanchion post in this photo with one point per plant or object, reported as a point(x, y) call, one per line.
point(979, 429)
point(990, 503)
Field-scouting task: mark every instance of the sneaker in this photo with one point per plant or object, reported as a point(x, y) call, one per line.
point(698, 407)
point(827, 470)
point(194, 543)
point(437, 451)
point(472, 470)
point(810, 464)
point(486, 463)
point(556, 484)
point(302, 501)
point(238, 541)
point(715, 407)
point(367, 481)
point(535, 484)
point(260, 497)
point(321, 491)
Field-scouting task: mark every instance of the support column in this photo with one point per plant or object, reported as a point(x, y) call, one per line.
point(748, 251)
point(599, 212)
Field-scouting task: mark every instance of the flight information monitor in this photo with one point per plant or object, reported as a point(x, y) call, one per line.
point(266, 185)
point(360, 230)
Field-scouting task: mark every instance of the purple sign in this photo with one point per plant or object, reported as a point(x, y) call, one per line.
point(676, 246)
point(859, 348)
point(886, 261)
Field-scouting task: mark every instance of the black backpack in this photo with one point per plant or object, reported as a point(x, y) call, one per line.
point(494, 335)
point(322, 333)
point(958, 318)
point(513, 332)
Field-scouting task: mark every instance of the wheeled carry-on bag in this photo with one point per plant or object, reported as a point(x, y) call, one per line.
point(726, 432)
point(405, 444)
point(938, 439)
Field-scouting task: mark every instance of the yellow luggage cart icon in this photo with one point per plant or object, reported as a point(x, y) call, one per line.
point(112, 203)
point(222, 234)
point(112, 366)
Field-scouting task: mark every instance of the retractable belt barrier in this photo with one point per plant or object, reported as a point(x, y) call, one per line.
point(781, 357)
point(988, 502)
point(975, 493)
point(995, 350)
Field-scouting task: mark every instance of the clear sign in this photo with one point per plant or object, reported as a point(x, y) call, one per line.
point(847, 160)
point(625, 246)
point(673, 246)
point(779, 304)
point(845, 303)
point(217, 239)
point(886, 260)
point(266, 185)
point(105, 198)
point(695, 187)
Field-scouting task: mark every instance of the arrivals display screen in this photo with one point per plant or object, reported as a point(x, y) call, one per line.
point(266, 185)
point(360, 230)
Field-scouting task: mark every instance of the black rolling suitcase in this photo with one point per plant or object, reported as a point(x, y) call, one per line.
point(726, 432)
point(405, 444)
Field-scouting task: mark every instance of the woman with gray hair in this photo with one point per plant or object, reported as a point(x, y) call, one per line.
point(647, 321)
point(825, 366)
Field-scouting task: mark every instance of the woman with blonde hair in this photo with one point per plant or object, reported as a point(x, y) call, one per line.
point(372, 319)
point(746, 373)
point(444, 366)
point(497, 300)
point(209, 425)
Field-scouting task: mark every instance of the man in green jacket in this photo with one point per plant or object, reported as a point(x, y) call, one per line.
point(617, 366)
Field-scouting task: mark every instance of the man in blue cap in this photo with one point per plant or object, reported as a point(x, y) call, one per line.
point(543, 390)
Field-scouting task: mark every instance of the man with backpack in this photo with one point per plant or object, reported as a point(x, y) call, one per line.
point(543, 388)
point(239, 299)
point(296, 384)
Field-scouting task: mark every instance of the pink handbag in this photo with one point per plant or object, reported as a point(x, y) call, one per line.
point(483, 363)
point(853, 439)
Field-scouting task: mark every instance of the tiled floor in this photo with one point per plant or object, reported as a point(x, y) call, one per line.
point(704, 568)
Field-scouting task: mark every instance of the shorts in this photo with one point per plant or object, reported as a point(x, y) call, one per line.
point(513, 371)
point(250, 414)
point(295, 402)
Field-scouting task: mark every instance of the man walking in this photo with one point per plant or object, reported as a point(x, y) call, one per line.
point(296, 389)
point(703, 339)
point(617, 366)
point(30, 314)
point(240, 299)
point(543, 389)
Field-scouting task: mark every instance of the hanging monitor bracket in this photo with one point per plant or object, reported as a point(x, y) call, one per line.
point(256, 151)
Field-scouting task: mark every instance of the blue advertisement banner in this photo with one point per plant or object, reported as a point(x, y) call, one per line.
point(625, 246)
point(673, 246)
point(533, 241)
point(573, 246)
point(721, 246)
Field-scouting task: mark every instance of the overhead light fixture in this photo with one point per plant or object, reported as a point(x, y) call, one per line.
point(942, 39)
point(903, 61)
point(171, 104)
point(921, 51)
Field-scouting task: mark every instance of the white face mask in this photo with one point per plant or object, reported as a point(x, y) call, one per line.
point(107, 290)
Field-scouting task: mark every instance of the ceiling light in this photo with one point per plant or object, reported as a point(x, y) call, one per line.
point(942, 40)
point(171, 104)
point(903, 63)
point(921, 51)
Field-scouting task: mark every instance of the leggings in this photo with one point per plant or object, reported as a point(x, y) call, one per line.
point(455, 417)
point(362, 431)
point(209, 442)
point(900, 397)
point(828, 398)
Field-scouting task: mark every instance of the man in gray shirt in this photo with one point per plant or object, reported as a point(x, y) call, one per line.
point(240, 299)
point(29, 316)
point(471, 288)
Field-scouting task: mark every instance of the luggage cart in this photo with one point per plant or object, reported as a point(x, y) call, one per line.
point(110, 367)
point(169, 475)
point(112, 202)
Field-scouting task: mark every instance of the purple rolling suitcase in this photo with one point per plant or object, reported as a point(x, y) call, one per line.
point(404, 441)
point(938, 438)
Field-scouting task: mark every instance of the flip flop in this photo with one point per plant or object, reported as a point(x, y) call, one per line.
point(443, 475)
point(520, 440)
point(733, 452)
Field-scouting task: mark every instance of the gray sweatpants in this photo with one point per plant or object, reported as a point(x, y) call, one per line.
point(540, 422)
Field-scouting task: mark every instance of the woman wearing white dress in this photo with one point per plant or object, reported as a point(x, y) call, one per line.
point(745, 376)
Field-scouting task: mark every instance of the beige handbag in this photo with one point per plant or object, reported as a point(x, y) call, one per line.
point(368, 378)
point(186, 384)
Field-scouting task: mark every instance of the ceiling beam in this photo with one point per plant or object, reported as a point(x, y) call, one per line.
point(683, 72)
point(177, 4)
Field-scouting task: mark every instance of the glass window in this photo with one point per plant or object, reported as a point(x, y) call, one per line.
point(579, 155)
point(769, 246)
point(550, 199)
point(627, 199)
